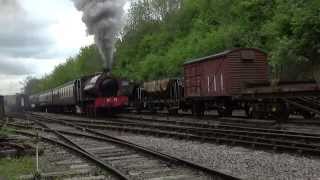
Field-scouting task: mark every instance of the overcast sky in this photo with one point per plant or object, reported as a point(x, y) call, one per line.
point(35, 36)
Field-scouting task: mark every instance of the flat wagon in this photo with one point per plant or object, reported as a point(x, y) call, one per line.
point(163, 94)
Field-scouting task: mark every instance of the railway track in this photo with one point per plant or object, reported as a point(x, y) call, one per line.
point(237, 119)
point(59, 163)
point(271, 139)
point(124, 159)
point(84, 166)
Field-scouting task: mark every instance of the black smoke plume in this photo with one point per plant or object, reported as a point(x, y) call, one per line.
point(104, 19)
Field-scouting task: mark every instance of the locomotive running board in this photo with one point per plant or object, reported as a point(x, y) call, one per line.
point(301, 106)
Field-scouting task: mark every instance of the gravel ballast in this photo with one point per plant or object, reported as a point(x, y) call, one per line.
point(237, 161)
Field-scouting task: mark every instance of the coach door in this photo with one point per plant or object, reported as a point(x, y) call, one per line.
point(77, 92)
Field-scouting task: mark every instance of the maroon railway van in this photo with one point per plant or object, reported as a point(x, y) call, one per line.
point(221, 76)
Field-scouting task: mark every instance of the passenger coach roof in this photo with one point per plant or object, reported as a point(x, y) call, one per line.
point(224, 53)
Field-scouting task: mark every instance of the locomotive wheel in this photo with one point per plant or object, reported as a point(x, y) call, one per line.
point(173, 111)
point(308, 115)
point(153, 110)
point(138, 111)
point(282, 114)
point(249, 111)
point(252, 113)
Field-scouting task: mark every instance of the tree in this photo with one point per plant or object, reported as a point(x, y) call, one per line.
point(87, 62)
point(166, 35)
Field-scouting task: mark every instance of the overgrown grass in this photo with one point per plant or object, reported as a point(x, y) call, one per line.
point(12, 168)
point(5, 131)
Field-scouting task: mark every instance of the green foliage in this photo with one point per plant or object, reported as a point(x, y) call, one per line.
point(13, 168)
point(157, 43)
point(5, 131)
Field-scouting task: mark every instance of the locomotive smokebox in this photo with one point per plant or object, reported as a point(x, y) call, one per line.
point(102, 85)
point(108, 87)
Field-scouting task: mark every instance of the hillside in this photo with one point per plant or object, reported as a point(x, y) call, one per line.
point(162, 34)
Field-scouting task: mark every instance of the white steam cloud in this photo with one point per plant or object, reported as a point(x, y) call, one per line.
point(104, 19)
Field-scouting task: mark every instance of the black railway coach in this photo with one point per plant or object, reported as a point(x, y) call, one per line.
point(1, 107)
point(68, 97)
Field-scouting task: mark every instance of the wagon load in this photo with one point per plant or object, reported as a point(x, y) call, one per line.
point(156, 87)
point(167, 88)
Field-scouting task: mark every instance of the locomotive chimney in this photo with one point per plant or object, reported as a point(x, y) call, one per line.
point(104, 19)
point(107, 71)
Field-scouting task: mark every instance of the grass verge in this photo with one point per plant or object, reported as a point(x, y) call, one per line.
point(5, 131)
point(12, 168)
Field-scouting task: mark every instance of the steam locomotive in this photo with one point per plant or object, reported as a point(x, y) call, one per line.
point(230, 80)
point(87, 95)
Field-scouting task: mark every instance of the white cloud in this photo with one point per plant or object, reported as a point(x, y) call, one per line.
point(35, 36)
point(10, 84)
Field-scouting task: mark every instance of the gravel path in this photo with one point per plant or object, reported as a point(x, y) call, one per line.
point(238, 161)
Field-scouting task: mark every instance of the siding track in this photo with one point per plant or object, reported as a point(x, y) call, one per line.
point(126, 160)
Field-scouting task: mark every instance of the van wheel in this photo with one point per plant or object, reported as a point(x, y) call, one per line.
point(173, 111)
point(198, 109)
point(225, 111)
